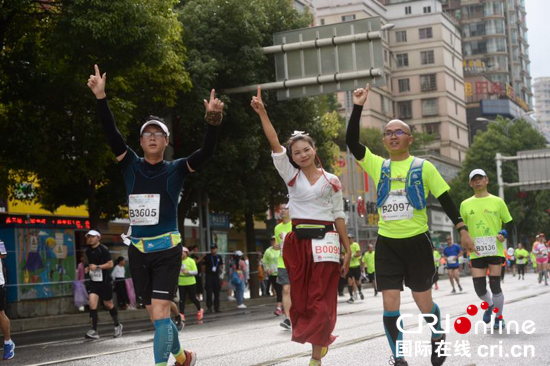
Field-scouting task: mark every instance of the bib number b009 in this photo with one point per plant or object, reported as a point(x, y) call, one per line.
point(326, 249)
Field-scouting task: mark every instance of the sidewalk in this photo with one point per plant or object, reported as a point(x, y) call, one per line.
point(83, 318)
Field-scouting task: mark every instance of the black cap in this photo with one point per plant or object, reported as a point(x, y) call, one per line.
point(213, 246)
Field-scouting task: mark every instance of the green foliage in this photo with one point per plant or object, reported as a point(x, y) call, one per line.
point(47, 112)
point(529, 209)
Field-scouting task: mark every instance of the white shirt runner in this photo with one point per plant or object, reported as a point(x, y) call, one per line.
point(144, 209)
point(486, 246)
point(397, 207)
point(326, 249)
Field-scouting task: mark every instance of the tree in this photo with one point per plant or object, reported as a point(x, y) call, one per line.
point(528, 209)
point(48, 114)
point(223, 39)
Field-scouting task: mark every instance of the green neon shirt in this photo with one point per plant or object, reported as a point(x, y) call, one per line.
point(271, 260)
point(355, 261)
point(280, 229)
point(368, 261)
point(522, 256)
point(437, 258)
point(186, 279)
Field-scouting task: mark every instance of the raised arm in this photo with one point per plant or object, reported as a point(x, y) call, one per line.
point(352, 134)
point(96, 83)
point(213, 116)
point(258, 106)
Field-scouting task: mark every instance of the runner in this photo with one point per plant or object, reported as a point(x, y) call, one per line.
point(187, 284)
point(512, 258)
point(213, 268)
point(368, 263)
point(271, 265)
point(281, 230)
point(437, 262)
point(541, 252)
point(404, 249)
point(522, 257)
point(311, 250)
point(485, 215)
point(153, 186)
point(354, 274)
point(452, 253)
point(9, 346)
point(101, 287)
point(238, 279)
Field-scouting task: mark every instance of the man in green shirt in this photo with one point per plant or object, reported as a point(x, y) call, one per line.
point(271, 264)
point(484, 215)
point(437, 262)
point(368, 264)
point(187, 284)
point(281, 230)
point(354, 274)
point(404, 247)
point(522, 257)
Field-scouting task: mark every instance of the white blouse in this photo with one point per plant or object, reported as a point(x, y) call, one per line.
point(118, 272)
point(311, 202)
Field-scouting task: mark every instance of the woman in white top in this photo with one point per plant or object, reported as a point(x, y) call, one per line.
point(311, 252)
point(119, 277)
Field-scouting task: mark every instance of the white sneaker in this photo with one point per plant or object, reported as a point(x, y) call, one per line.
point(231, 298)
point(92, 334)
point(81, 308)
point(242, 306)
point(118, 330)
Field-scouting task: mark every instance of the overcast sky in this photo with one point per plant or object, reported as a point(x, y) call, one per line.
point(538, 23)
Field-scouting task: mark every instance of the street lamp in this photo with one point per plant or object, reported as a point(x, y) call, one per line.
point(508, 124)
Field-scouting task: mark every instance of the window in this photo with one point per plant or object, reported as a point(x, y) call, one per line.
point(432, 129)
point(427, 9)
point(460, 156)
point(404, 109)
point(322, 21)
point(429, 107)
point(454, 82)
point(404, 85)
point(408, 10)
point(427, 57)
point(389, 81)
point(456, 108)
point(425, 33)
point(385, 105)
point(402, 59)
point(346, 18)
point(428, 82)
point(401, 36)
point(385, 55)
point(458, 134)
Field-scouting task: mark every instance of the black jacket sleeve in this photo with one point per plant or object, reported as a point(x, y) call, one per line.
point(352, 134)
point(450, 208)
point(114, 137)
point(201, 156)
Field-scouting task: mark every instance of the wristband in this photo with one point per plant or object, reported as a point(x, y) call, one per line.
point(213, 118)
point(462, 228)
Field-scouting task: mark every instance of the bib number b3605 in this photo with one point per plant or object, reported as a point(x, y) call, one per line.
point(144, 209)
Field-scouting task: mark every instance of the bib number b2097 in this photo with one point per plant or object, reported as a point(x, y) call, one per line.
point(144, 209)
point(397, 207)
point(486, 246)
point(326, 249)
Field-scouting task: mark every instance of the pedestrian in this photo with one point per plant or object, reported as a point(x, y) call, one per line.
point(9, 346)
point(153, 186)
point(99, 264)
point(512, 259)
point(522, 257)
point(261, 275)
point(452, 253)
point(213, 269)
point(541, 252)
point(281, 230)
point(238, 279)
point(194, 253)
point(312, 248)
point(271, 263)
point(485, 215)
point(370, 268)
point(404, 247)
point(186, 284)
point(354, 274)
point(437, 262)
point(119, 277)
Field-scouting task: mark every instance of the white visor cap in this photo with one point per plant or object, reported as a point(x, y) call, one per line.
point(475, 172)
point(155, 122)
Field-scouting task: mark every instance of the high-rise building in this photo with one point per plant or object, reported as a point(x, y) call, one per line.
point(541, 88)
point(494, 35)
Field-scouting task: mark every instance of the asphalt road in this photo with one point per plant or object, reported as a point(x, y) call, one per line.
point(253, 336)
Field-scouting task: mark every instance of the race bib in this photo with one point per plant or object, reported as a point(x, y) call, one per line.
point(397, 207)
point(326, 249)
point(486, 246)
point(144, 209)
point(452, 260)
point(96, 275)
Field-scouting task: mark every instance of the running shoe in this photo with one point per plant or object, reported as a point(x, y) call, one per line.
point(231, 298)
point(118, 330)
point(286, 324)
point(438, 357)
point(314, 362)
point(351, 300)
point(200, 314)
point(460, 288)
point(92, 334)
point(376, 292)
point(453, 292)
point(9, 350)
point(398, 361)
point(242, 306)
point(324, 351)
point(362, 296)
point(487, 314)
point(190, 359)
point(278, 311)
point(497, 322)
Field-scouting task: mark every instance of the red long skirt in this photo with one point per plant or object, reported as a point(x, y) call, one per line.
point(313, 290)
